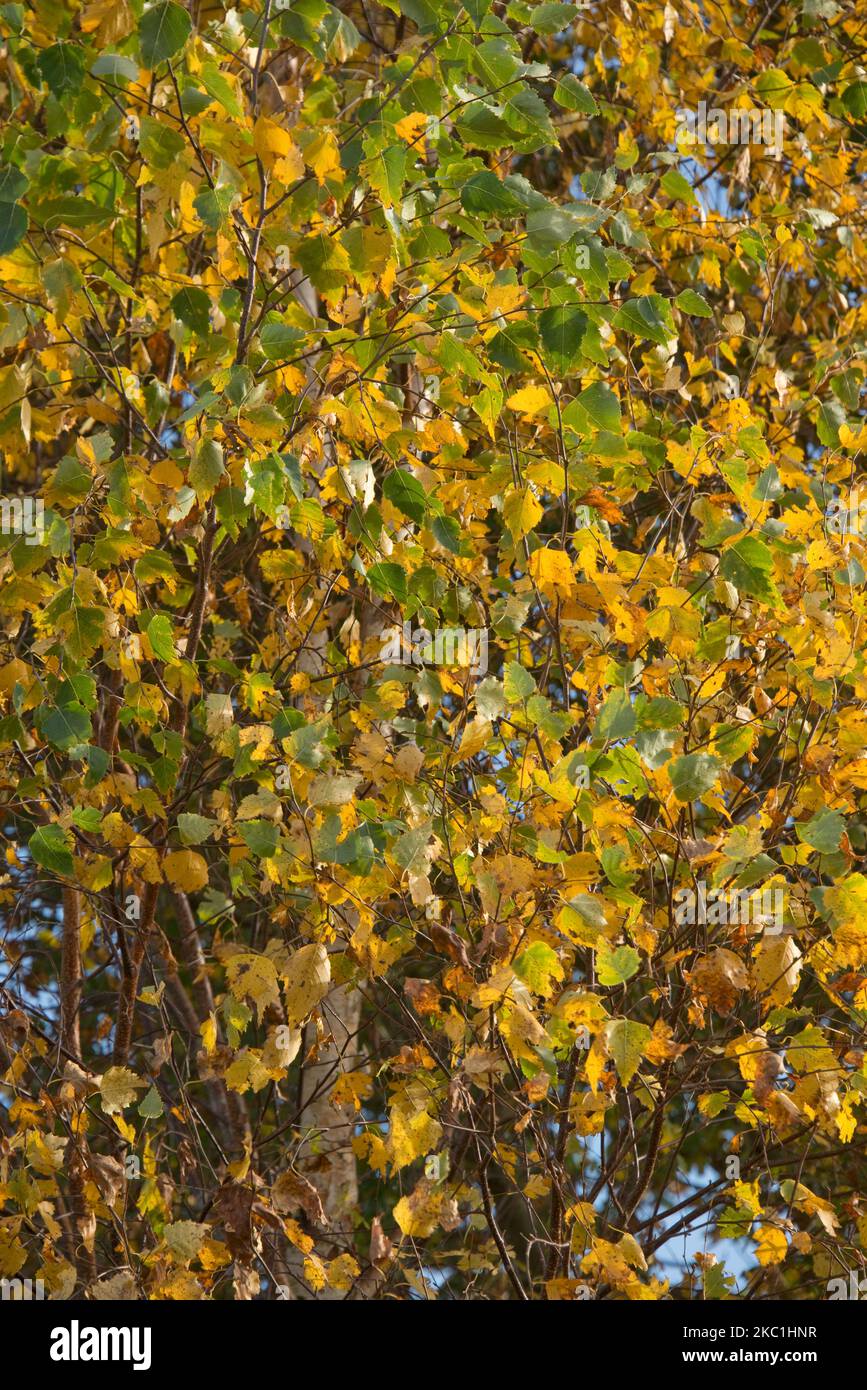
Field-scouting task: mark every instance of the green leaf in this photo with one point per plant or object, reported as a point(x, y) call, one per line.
point(716, 1284)
point(207, 468)
point(97, 762)
point(693, 774)
point(618, 966)
point(551, 17)
point(212, 206)
point(324, 261)
point(691, 302)
point(266, 484)
point(548, 229)
point(481, 127)
point(748, 564)
point(13, 183)
point(527, 113)
point(49, 847)
point(72, 213)
point(193, 829)
point(831, 417)
point(151, 1108)
point(386, 172)
point(423, 13)
point(193, 307)
point(218, 86)
point(160, 144)
point(518, 682)
point(260, 836)
point(405, 492)
point(496, 62)
point(774, 86)
point(62, 68)
point(677, 187)
point(616, 719)
point(855, 99)
point(160, 635)
point(448, 532)
point(823, 832)
point(388, 580)
point(280, 341)
point(490, 698)
point(66, 726)
point(539, 966)
point(756, 871)
point(232, 510)
point(627, 1043)
point(116, 67)
point(648, 316)
point(162, 32)
point(574, 96)
point(62, 279)
point(601, 406)
point(562, 330)
point(486, 194)
point(13, 225)
point(590, 909)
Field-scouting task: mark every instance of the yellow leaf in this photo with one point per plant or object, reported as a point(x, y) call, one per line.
point(208, 1030)
point(627, 1044)
point(214, 1254)
point(777, 969)
point(552, 571)
point(323, 155)
point(246, 1072)
point(185, 1238)
point(521, 511)
point(771, 1245)
point(342, 1272)
point(522, 1031)
point(411, 126)
point(413, 1131)
point(117, 1089)
point(315, 1273)
point(298, 1237)
point(351, 1089)
point(271, 141)
point(189, 219)
point(252, 976)
point(530, 400)
point(186, 870)
point(474, 738)
point(306, 977)
point(219, 714)
point(416, 1215)
point(12, 1255)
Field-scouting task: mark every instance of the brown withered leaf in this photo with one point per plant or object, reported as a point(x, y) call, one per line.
point(292, 1191)
point(719, 978)
point(423, 995)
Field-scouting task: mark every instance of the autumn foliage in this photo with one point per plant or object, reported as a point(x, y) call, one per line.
point(337, 963)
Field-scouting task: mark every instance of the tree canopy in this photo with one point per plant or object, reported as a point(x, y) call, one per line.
point(433, 698)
